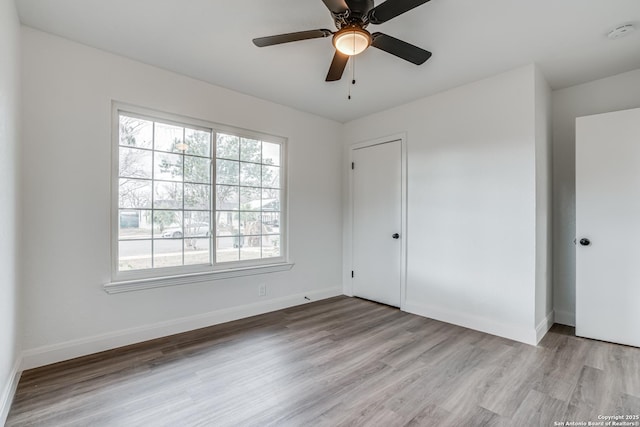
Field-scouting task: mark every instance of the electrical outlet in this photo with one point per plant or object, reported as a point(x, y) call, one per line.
point(262, 290)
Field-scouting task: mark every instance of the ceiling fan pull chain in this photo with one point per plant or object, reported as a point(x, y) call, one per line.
point(351, 64)
point(353, 71)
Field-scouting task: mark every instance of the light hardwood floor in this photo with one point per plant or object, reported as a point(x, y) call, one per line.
point(337, 362)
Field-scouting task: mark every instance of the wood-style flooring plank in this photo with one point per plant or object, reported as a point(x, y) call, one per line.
point(337, 362)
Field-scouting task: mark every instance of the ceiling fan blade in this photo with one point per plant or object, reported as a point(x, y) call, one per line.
point(392, 8)
point(291, 37)
point(401, 49)
point(336, 6)
point(337, 67)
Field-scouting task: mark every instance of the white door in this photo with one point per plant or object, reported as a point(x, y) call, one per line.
point(608, 227)
point(377, 210)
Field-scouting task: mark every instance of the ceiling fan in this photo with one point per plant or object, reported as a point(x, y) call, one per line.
point(352, 18)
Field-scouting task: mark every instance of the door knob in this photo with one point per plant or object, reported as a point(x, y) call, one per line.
point(585, 242)
point(395, 235)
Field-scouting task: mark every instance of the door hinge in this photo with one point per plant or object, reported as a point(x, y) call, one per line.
point(353, 165)
point(352, 274)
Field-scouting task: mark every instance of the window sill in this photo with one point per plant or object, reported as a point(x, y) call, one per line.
point(184, 279)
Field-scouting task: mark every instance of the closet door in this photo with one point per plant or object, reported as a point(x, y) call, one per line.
point(377, 223)
point(608, 227)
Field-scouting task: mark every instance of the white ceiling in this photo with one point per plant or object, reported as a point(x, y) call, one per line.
point(470, 39)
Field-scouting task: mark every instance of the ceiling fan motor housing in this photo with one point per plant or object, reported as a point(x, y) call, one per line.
point(357, 14)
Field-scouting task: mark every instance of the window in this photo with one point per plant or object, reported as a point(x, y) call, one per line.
point(194, 197)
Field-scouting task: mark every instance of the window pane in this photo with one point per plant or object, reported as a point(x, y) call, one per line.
point(250, 198)
point(168, 166)
point(167, 195)
point(250, 223)
point(168, 137)
point(134, 193)
point(271, 176)
point(228, 223)
point(197, 169)
point(197, 196)
point(227, 172)
point(136, 132)
point(251, 248)
point(134, 254)
point(135, 163)
point(228, 147)
point(271, 154)
point(198, 142)
point(270, 200)
point(196, 251)
point(250, 174)
point(197, 216)
point(167, 224)
point(167, 253)
point(250, 150)
point(134, 224)
point(270, 223)
point(227, 198)
point(270, 246)
point(197, 224)
point(227, 248)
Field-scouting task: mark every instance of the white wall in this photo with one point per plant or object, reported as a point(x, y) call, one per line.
point(67, 94)
point(9, 136)
point(614, 93)
point(471, 202)
point(544, 288)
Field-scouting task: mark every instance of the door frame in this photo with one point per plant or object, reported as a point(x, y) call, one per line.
point(347, 266)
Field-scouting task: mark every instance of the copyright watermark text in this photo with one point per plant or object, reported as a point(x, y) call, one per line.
point(604, 421)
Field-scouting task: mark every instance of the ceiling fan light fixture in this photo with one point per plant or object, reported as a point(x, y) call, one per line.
point(352, 40)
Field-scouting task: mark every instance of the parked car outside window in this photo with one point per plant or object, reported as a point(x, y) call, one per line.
point(198, 229)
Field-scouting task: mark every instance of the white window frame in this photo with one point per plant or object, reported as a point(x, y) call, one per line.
point(122, 281)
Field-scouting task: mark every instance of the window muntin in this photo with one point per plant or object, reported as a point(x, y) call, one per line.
point(192, 198)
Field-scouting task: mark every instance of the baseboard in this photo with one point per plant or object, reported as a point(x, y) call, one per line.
point(46, 355)
point(544, 326)
point(6, 399)
point(565, 318)
point(489, 326)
